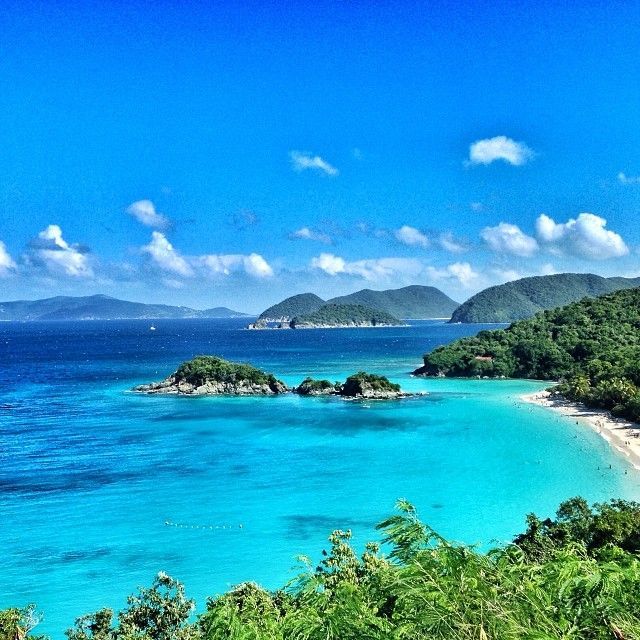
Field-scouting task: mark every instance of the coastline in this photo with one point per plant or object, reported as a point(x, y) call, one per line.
point(622, 435)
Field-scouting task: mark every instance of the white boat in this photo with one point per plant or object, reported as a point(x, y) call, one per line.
point(152, 328)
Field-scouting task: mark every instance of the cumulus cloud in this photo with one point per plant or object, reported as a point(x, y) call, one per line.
point(585, 236)
point(625, 179)
point(164, 255)
point(450, 244)
point(52, 251)
point(7, 265)
point(370, 269)
point(305, 233)
point(144, 211)
point(411, 236)
point(327, 262)
point(462, 272)
point(253, 264)
point(508, 238)
point(499, 148)
point(301, 160)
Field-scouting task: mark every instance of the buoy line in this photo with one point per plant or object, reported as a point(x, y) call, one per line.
point(184, 525)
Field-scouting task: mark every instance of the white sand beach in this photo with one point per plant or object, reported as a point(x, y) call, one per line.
point(624, 436)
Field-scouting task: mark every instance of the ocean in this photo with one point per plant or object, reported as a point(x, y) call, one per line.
point(101, 488)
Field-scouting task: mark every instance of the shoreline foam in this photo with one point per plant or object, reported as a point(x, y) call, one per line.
point(623, 436)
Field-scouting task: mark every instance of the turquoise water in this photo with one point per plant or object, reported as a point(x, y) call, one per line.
point(101, 488)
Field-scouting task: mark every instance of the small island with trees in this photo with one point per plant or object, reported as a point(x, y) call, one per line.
point(211, 375)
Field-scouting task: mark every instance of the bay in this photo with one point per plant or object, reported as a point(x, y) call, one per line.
point(101, 488)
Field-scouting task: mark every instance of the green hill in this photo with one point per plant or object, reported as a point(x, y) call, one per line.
point(591, 346)
point(526, 297)
point(291, 307)
point(339, 315)
point(415, 301)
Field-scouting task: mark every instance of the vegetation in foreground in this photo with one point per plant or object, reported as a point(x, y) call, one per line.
point(573, 578)
point(592, 347)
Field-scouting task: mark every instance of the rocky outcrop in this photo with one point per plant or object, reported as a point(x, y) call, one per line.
point(212, 387)
point(311, 387)
point(365, 386)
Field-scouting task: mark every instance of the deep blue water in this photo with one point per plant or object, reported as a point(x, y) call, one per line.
point(101, 488)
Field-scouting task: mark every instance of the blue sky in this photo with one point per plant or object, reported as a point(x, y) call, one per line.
point(236, 153)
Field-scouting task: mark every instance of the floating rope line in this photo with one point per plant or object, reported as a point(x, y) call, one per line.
point(185, 525)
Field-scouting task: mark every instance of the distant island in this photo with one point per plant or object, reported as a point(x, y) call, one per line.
point(101, 307)
point(212, 375)
point(524, 298)
point(333, 316)
point(344, 315)
point(592, 347)
point(415, 302)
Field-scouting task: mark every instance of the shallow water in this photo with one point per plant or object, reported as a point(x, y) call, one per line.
point(101, 488)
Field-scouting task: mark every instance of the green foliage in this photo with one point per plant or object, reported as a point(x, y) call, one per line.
point(526, 297)
point(614, 524)
point(573, 578)
point(16, 624)
point(345, 314)
point(214, 369)
point(309, 386)
point(360, 382)
point(293, 306)
point(160, 612)
point(591, 346)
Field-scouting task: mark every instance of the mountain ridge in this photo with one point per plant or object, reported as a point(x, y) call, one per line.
point(525, 297)
point(414, 301)
point(102, 307)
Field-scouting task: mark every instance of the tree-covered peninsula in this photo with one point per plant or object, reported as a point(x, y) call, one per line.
point(575, 577)
point(592, 347)
point(344, 315)
point(211, 375)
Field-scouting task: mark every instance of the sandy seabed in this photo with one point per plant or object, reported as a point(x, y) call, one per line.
point(622, 435)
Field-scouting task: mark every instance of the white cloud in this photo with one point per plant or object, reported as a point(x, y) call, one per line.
point(508, 238)
point(449, 243)
point(6, 261)
point(411, 236)
point(144, 211)
point(371, 269)
point(584, 236)
point(625, 179)
point(58, 256)
point(499, 148)
point(255, 265)
point(327, 262)
point(300, 161)
point(305, 233)
point(462, 272)
point(165, 256)
point(168, 259)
